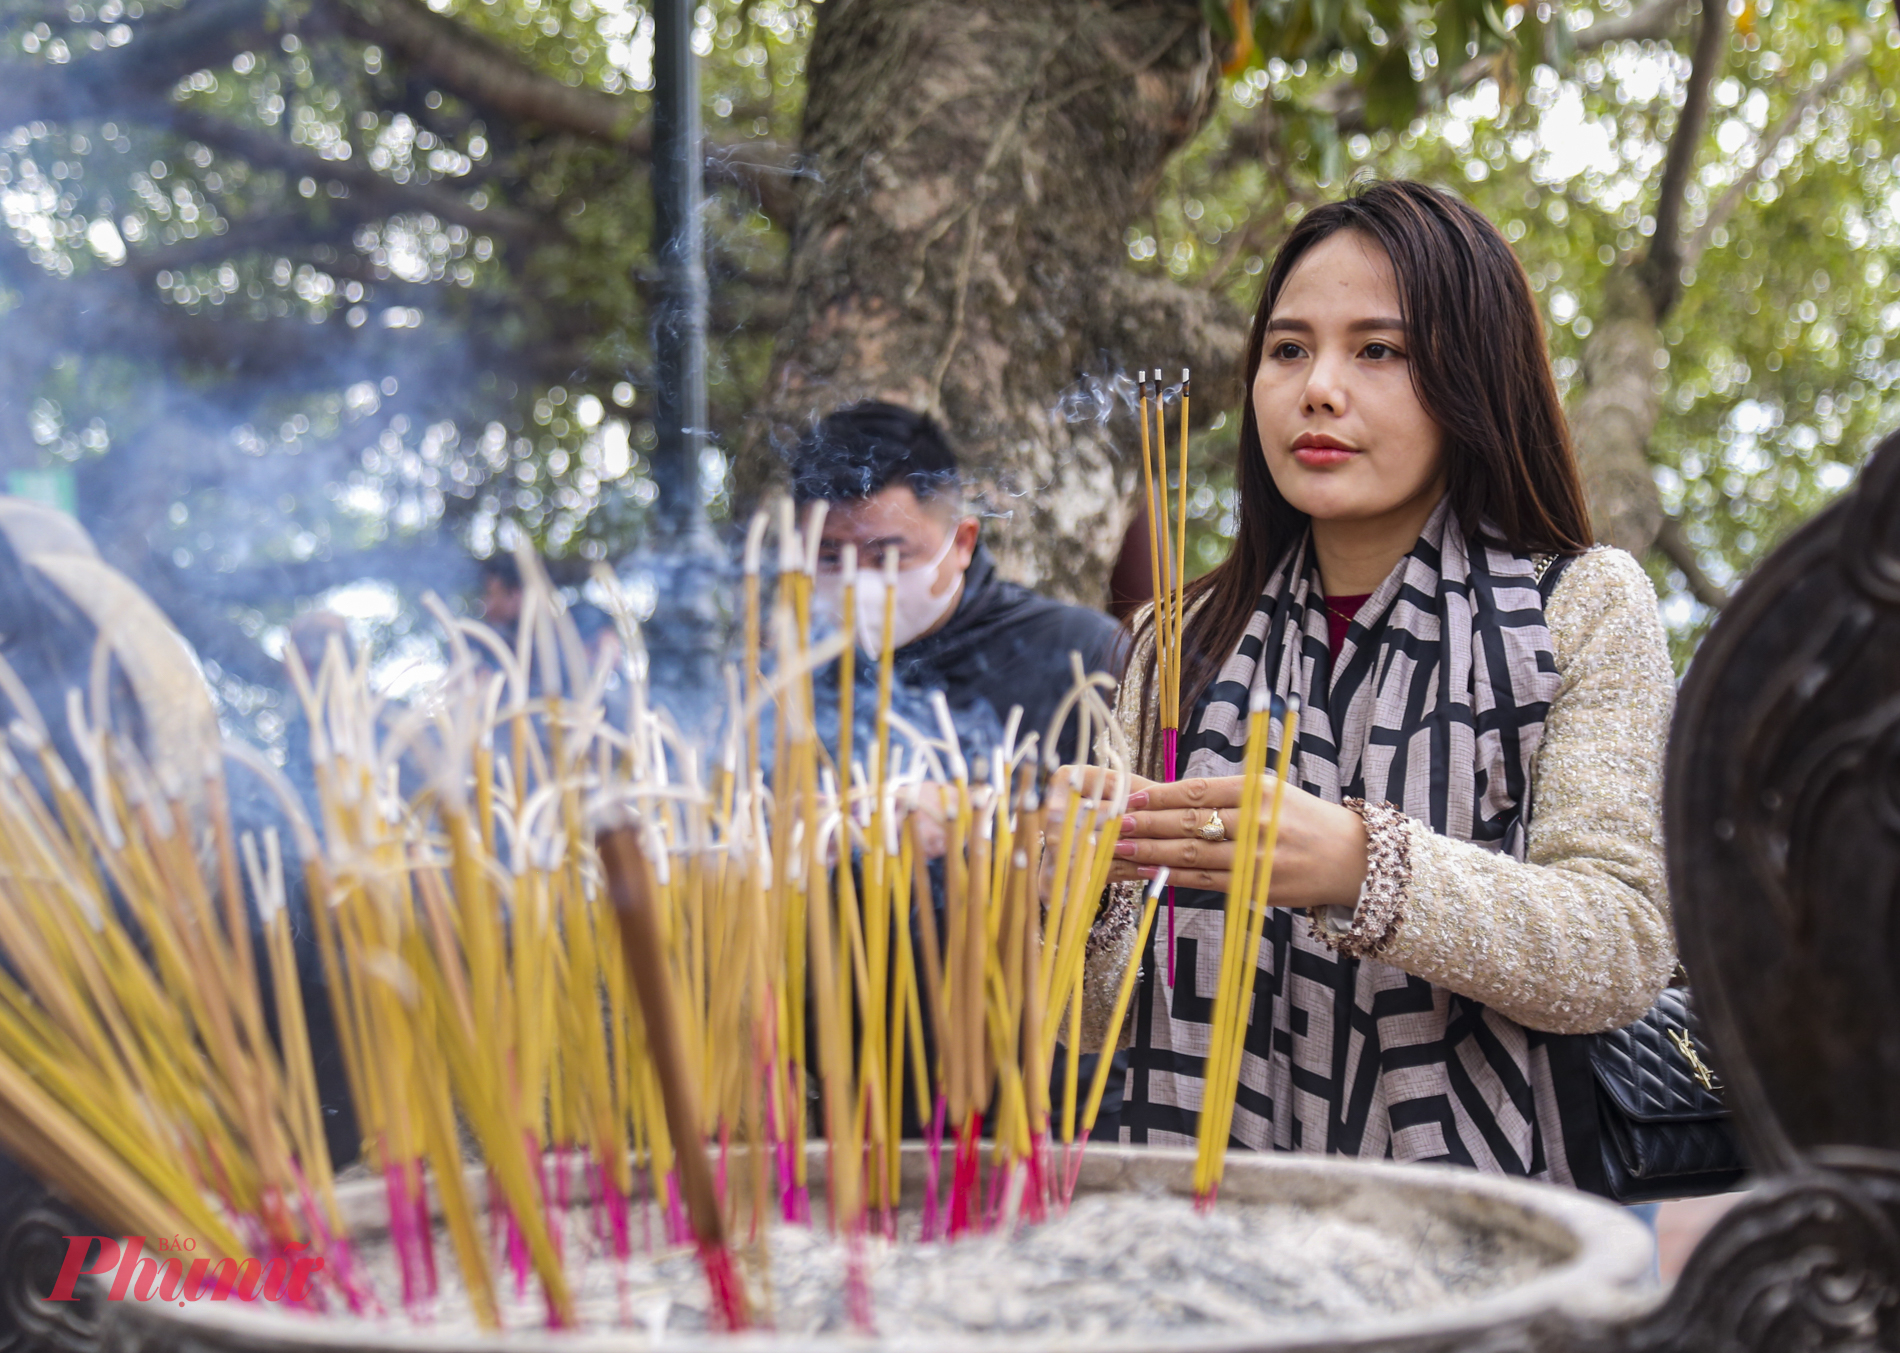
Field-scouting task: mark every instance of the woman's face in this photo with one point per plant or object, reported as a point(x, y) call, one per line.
point(1345, 436)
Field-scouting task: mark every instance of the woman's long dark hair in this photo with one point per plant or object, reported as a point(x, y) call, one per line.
point(1481, 369)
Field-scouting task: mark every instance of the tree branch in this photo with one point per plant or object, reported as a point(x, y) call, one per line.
point(471, 67)
point(383, 196)
point(1347, 99)
point(763, 169)
point(1765, 148)
point(1208, 334)
point(162, 52)
point(487, 75)
point(135, 80)
point(1643, 24)
point(1662, 268)
point(278, 232)
point(432, 562)
point(111, 311)
point(1677, 549)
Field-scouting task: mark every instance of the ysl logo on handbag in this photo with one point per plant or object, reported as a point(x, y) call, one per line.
point(1697, 1067)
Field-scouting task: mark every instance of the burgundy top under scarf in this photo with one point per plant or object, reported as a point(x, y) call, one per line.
point(1339, 614)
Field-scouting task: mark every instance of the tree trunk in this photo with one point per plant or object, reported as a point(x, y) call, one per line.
point(959, 249)
point(1617, 412)
point(1620, 402)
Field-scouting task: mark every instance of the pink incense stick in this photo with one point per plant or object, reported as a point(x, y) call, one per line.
point(1035, 1203)
point(614, 1212)
point(551, 1209)
point(339, 1265)
point(425, 1234)
point(518, 1255)
point(787, 1182)
point(781, 1148)
point(402, 1220)
point(966, 1178)
point(1073, 1174)
point(857, 1284)
point(993, 1199)
point(933, 1171)
point(729, 1301)
point(1170, 746)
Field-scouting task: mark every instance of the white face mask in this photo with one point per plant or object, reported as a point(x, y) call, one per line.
point(917, 608)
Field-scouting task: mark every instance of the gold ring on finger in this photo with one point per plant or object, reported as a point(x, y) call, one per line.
point(1213, 829)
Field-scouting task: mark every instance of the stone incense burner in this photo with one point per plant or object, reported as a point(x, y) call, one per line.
point(1784, 838)
point(1510, 1260)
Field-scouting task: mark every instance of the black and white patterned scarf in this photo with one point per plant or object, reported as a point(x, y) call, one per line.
point(1436, 704)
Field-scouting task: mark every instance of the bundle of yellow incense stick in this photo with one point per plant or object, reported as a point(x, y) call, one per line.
point(458, 899)
point(1167, 569)
point(1243, 924)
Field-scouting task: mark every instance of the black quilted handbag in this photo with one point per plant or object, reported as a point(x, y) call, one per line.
point(1640, 1115)
point(1638, 1107)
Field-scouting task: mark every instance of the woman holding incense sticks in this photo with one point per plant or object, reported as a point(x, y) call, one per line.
point(1469, 850)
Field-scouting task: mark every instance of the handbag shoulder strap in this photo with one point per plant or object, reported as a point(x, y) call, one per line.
point(1547, 569)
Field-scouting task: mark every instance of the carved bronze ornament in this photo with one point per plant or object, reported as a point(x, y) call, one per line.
point(1783, 822)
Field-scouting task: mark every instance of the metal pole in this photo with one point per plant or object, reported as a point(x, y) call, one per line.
point(679, 554)
point(679, 316)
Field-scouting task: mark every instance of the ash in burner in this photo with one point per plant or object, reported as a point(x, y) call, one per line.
point(1115, 1265)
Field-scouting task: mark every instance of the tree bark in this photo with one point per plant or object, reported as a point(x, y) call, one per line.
point(1616, 413)
point(1617, 409)
point(959, 249)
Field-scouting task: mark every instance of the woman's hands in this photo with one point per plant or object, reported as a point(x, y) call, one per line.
point(1320, 859)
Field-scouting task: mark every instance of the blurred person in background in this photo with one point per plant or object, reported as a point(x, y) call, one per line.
point(501, 595)
point(891, 481)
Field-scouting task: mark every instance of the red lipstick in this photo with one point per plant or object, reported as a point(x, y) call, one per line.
point(1317, 451)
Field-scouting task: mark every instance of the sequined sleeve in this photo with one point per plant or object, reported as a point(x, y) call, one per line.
point(1577, 938)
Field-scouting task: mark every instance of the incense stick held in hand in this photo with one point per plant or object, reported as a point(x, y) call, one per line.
point(1167, 571)
point(1247, 900)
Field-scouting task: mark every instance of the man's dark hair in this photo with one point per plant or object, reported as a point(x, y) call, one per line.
point(860, 450)
point(501, 566)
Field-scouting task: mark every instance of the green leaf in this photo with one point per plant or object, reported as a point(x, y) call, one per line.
point(1530, 46)
point(1565, 41)
point(1389, 14)
point(1294, 33)
point(1491, 20)
point(1326, 22)
point(1391, 91)
point(1217, 18)
point(1451, 38)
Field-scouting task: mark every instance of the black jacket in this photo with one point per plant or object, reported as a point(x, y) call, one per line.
point(1005, 645)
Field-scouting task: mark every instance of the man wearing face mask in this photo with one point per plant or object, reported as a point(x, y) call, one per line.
point(891, 481)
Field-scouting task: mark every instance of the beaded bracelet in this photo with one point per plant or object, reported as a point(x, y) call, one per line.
point(1368, 927)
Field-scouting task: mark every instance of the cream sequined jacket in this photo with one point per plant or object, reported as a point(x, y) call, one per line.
point(1577, 937)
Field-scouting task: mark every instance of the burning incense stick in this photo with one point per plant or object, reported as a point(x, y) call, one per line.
point(1167, 570)
point(459, 895)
